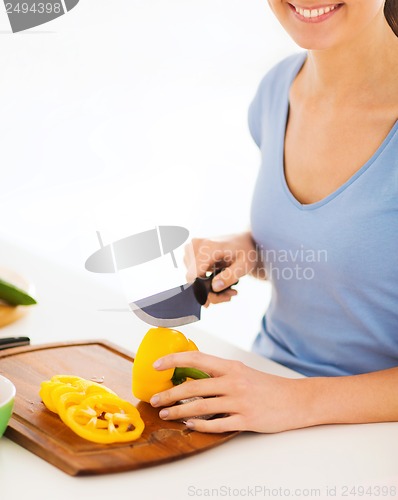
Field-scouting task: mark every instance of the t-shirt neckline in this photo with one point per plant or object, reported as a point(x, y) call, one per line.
point(345, 185)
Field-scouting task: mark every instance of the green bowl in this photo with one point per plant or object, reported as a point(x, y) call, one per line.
point(7, 396)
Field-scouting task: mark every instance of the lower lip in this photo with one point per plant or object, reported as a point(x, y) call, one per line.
point(318, 19)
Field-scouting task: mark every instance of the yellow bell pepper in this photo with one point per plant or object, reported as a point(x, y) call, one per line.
point(92, 411)
point(159, 342)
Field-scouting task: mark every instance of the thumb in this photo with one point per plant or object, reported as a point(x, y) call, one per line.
point(229, 276)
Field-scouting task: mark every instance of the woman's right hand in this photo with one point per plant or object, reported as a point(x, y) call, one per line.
point(236, 255)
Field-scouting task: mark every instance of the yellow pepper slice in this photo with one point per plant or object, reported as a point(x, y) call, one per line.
point(91, 410)
point(51, 390)
point(105, 419)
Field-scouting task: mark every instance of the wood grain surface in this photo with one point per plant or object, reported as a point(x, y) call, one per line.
point(43, 433)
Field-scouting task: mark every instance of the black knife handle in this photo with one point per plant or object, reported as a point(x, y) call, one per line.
point(202, 287)
point(9, 342)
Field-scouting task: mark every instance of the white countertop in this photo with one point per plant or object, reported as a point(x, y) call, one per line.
point(251, 465)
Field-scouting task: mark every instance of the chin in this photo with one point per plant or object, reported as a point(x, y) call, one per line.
point(316, 37)
point(312, 43)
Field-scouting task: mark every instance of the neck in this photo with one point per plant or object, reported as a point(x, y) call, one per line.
point(366, 63)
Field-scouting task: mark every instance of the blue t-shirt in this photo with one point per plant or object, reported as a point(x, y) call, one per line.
point(333, 264)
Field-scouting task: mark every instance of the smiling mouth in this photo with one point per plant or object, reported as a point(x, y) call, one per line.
point(318, 14)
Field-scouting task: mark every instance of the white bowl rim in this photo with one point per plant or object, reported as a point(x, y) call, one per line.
point(12, 390)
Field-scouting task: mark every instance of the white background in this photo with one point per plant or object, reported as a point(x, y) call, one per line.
point(126, 114)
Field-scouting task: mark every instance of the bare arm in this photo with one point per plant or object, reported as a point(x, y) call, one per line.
point(371, 397)
point(256, 401)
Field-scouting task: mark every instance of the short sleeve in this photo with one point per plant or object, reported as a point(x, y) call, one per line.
point(254, 119)
point(270, 95)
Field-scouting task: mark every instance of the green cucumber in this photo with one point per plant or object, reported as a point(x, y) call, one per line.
point(14, 296)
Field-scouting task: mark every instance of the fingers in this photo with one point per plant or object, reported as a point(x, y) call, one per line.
point(212, 365)
point(190, 389)
point(198, 408)
point(230, 275)
point(188, 412)
point(218, 298)
point(217, 425)
point(202, 256)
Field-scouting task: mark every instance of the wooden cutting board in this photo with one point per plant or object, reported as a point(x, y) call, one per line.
point(43, 433)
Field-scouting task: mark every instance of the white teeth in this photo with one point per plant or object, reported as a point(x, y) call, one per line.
point(307, 13)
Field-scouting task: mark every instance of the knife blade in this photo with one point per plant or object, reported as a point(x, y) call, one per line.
point(175, 307)
point(9, 342)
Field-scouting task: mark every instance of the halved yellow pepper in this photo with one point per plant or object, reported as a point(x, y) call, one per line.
point(159, 342)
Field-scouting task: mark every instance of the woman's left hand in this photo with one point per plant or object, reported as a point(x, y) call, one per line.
point(250, 399)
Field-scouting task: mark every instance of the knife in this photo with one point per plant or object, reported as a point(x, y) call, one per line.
point(9, 342)
point(175, 307)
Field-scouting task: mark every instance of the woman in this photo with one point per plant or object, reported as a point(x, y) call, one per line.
point(324, 228)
